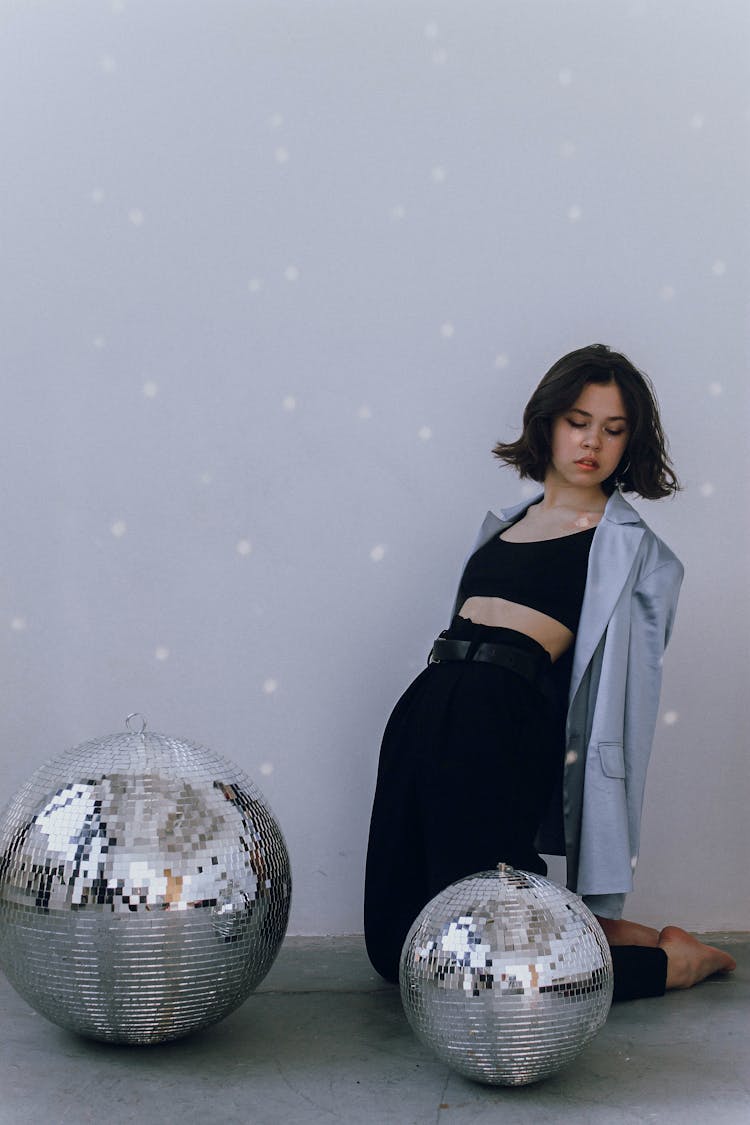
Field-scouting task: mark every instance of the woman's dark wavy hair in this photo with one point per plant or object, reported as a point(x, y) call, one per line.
point(644, 468)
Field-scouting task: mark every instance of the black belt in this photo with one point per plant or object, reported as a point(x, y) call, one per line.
point(531, 666)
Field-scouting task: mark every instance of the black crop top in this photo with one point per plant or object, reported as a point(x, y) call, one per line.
point(548, 575)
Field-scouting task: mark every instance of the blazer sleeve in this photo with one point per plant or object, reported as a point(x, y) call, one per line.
point(653, 608)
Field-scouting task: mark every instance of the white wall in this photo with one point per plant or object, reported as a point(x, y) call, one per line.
point(275, 277)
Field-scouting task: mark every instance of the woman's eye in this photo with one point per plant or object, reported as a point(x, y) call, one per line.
point(615, 433)
point(576, 425)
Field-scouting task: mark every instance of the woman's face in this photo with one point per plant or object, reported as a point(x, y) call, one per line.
point(589, 439)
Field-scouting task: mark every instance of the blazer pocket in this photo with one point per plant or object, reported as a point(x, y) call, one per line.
point(612, 758)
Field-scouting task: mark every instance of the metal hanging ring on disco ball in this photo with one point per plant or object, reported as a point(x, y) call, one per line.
point(506, 976)
point(144, 887)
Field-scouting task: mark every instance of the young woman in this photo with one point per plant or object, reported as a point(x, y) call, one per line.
point(531, 727)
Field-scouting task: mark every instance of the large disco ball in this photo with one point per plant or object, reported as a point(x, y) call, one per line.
point(506, 976)
point(144, 888)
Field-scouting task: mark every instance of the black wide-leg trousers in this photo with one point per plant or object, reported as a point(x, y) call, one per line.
point(470, 758)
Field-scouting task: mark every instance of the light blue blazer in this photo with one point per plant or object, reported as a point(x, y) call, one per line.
point(632, 585)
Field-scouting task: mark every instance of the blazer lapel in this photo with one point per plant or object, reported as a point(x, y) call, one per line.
point(613, 550)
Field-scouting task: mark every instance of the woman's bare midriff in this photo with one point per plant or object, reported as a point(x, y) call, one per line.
point(551, 634)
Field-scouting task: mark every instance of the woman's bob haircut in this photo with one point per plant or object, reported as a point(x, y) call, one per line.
point(644, 468)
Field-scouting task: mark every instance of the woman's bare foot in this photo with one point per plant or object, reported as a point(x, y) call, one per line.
point(618, 931)
point(689, 960)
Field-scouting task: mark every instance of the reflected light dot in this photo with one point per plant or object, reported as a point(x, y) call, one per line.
point(697, 121)
point(255, 285)
point(670, 718)
point(667, 292)
point(289, 402)
point(438, 174)
point(571, 757)
point(377, 554)
point(276, 120)
point(136, 216)
point(99, 343)
point(574, 212)
point(719, 268)
point(715, 389)
point(424, 433)
point(281, 155)
point(565, 77)
point(447, 331)
point(266, 768)
point(364, 412)
point(431, 30)
point(162, 653)
point(291, 273)
point(398, 212)
point(440, 56)
point(118, 528)
point(501, 361)
point(150, 389)
point(244, 547)
point(97, 195)
point(707, 489)
point(269, 686)
point(18, 624)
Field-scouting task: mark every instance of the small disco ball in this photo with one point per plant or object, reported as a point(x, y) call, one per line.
point(144, 888)
point(506, 976)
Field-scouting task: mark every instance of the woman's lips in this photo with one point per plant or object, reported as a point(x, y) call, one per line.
point(588, 464)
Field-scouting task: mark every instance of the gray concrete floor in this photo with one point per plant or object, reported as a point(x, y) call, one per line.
point(324, 1040)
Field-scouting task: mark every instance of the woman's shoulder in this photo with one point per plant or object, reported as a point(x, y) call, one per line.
point(654, 551)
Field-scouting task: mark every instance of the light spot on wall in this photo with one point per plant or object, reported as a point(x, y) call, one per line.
point(266, 768)
point(107, 64)
point(667, 292)
point(719, 268)
point(162, 653)
point(97, 195)
point(18, 624)
point(697, 121)
point(438, 174)
point(715, 389)
point(670, 718)
point(244, 547)
point(99, 343)
point(447, 331)
point(255, 284)
point(281, 155)
point(431, 30)
point(440, 56)
point(575, 211)
point(398, 212)
point(289, 402)
point(377, 554)
point(206, 478)
point(364, 412)
point(707, 489)
point(565, 77)
point(501, 361)
point(291, 273)
point(136, 216)
point(118, 528)
point(424, 433)
point(276, 120)
point(270, 686)
point(150, 389)
point(568, 149)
